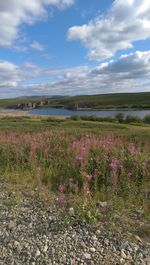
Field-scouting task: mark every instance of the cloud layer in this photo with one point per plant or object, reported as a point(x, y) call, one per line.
point(9, 74)
point(127, 21)
point(127, 74)
point(13, 13)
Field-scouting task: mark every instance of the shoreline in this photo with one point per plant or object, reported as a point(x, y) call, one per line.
point(13, 112)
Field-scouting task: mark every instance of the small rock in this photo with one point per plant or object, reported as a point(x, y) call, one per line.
point(138, 238)
point(45, 248)
point(11, 225)
point(37, 254)
point(30, 225)
point(92, 250)
point(86, 256)
point(122, 261)
point(83, 244)
point(123, 255)
point(106, 241)
point(16, 243)
point(98, 232)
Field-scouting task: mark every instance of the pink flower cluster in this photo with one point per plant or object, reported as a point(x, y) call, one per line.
point(114, 164)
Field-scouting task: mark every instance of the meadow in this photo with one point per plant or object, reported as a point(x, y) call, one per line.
point(79, 164)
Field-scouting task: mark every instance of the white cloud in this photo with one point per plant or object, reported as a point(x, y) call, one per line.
point(9, 74)
point(15, 12)
point(37, 46)
point(130, 73)
point(127, 21)
point(134, 65)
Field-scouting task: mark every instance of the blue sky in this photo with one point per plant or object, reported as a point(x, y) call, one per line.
point(72, 47)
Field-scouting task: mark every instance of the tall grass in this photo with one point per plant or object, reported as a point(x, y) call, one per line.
point(82, 164)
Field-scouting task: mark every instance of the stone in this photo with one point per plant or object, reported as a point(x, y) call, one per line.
point(92, 250)
point(86, 256)
point(12, 225)
point(83, 244)
point(45, 248)
point(37, 254)
point(122, 261)
point(106, 241)
point(16, 243)
point(98, 232)
point(30, 225)
point(138, 238)
point(123, 255)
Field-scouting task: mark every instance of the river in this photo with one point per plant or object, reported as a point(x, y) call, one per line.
point(98, 113)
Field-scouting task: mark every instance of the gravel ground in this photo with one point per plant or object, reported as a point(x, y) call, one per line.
point(34, 233)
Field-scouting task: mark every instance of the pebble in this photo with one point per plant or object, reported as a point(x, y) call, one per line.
point(86, 256)
point(92, 250)
point(11, 225)
point(83, 244)
point(37, 254)
point(45, 248)
point(123, 255)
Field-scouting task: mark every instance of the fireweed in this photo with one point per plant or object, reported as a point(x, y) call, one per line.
point(78, 164)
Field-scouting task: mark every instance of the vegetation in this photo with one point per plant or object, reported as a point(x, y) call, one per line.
point(107, 101)
point(130, 119)
point(81, 162)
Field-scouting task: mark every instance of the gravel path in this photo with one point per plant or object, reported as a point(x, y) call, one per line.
point(33, 233)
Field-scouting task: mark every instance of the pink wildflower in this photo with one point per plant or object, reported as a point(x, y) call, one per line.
point(61, 199)
point(83, 149)
point(129, 174)
point(114, 164)
point(61, 188)
point(133, 150)
point(80, 158)
point(88, 177)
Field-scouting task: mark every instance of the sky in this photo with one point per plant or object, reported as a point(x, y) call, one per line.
point(74, 47)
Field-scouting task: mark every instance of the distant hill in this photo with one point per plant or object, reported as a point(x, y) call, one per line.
point(105, 101)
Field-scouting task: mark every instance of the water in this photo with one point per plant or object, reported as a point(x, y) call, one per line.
point(99, 113)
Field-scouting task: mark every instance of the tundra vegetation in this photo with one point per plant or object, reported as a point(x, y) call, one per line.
point(80, 164)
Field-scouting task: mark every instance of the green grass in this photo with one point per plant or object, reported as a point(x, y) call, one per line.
point(41, 124)
point(119, 100)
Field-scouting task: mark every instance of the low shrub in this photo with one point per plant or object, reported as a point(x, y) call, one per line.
point(133, 118)
point(147, 119)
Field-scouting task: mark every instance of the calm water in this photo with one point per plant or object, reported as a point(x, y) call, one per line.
point(99, 113)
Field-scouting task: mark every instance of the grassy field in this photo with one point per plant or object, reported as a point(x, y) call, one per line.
point(80, 163)
point(122, 100)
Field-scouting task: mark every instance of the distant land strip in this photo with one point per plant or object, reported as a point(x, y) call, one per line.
point(86, 102)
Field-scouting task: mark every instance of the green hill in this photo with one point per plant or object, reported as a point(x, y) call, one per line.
point(119, 100)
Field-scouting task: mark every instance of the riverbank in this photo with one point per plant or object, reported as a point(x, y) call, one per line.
point(14, 113)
